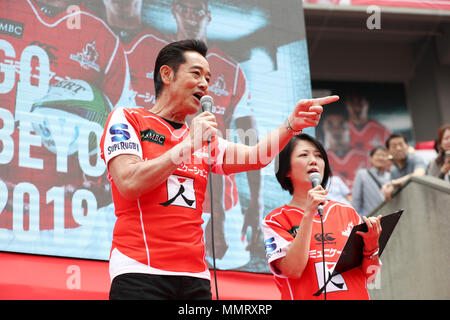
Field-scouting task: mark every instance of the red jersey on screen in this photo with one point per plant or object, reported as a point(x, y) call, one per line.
point(280, 228)
point(38, 51)
point(161, 229)
point(141, 54)
point(228, 89)
point(369, 136)
point(345, 167)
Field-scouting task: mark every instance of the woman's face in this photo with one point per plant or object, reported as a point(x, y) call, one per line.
point(379, 159)
point(445, 143)
point(305, 159)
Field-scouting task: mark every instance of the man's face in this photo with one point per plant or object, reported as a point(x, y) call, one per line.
point(357, 107)
point(192, 17)
point(336, 132)
point(398, 148)
point(124, 8)
point(190, 82)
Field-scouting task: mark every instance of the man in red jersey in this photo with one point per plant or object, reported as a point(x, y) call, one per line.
point(344, 159)
point(231, 103)
point(141, 43)
point(158, 168)
point(365, 133)
point(53, 43)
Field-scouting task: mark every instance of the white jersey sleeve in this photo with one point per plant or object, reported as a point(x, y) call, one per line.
point(275, 245)
point(120, 136)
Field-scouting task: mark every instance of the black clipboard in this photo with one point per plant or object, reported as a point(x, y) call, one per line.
point(352, 254)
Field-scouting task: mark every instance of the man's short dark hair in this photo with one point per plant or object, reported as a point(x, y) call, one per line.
point(392, 136)
point(283, 161)
point(172, 55)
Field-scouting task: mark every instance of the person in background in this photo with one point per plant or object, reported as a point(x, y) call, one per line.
point(365, 133)
point(338, 190)
point(232, 104)
point(366, 194)
point(440, 166)
point(141, 45)
point(293, 234)
point(345, 160)
point(404, 164)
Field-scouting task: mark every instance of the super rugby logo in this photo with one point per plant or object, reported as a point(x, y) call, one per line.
point(270, 245)
point(120, 135)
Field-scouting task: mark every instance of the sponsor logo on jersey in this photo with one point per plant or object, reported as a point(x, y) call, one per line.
point(293, 231)
point(11, 28)
point(119, 132)
point(51, 50)
point(219, 86)
point(271, 247)
point(327, 238)
point(346, 232)
point(324, 237)
point(123, 145)
point(152, 136)
point(120, 135)
point(333, 284)
point(180, 192)
point(87, 58)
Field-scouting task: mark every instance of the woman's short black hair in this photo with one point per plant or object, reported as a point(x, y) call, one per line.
point(172, 55)
point(283, 161)
point(375, 149)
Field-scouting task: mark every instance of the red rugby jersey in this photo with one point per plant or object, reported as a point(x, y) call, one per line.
point(372, 134)
point(37, 51)
point(160, 232)
point(228, 88)
point(280, 227)
point(141, 54)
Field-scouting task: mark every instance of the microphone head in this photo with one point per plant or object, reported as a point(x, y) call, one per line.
point(315, 178)
point(206, 102)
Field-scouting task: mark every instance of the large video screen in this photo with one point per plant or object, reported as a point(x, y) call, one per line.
point(64, 67)
point(366, 114)
point(432, 5)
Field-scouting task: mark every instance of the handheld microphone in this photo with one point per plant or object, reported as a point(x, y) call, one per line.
point(206, 102)
point(316, 179)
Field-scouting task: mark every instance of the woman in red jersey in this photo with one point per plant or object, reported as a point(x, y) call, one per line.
point(293, 235)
